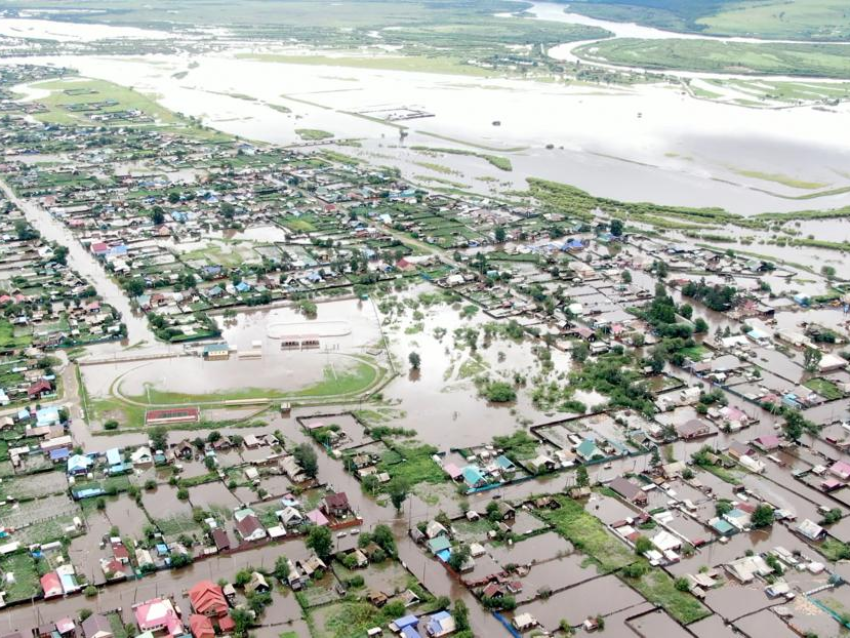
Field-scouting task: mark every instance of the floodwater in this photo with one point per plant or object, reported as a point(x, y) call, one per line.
point(640, 143)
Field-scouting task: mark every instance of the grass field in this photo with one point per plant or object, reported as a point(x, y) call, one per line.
point(68, 100)
point(804, 60)
point(659, 588)
point(9, 338)
point(588, 534)
point(780, 19)
point(824, 387)
point(769, 19)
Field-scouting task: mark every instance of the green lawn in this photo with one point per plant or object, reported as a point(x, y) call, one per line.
point(824, 387)
point(8, 338)
point(659, 587)
point(587, 533)
point(26, 579)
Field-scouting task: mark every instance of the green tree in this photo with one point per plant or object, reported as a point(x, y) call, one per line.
point(500, 234)
point(762, 516)
point(582, 477)
point(320, 541)
point(415, 360)
point(642, 545)
point(398, 494)
point(811, 359)
point(461, 615)
point(616, 227)
point(306, 457)
point(242, 620)
point(460, 555)
point(159, 438)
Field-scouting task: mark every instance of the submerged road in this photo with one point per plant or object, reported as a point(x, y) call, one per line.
point(80, 260)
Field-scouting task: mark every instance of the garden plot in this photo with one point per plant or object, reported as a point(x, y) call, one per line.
point(555, 575)
point(657, 623)
point(41, 520)
point(20, 577)
point(33, 486)
point(601, 596)
point(533, 550)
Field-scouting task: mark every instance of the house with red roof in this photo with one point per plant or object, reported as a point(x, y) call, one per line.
point(201, 626)
point(40, 388)
point(51, 584)
point(335, 505)
point(208, 599)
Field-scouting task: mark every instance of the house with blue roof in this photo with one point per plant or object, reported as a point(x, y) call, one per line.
point(78, 464)
point(243, 287)
point(406, 621)
point(440, 624)
point(589, 451)
point(113, 456)
point(410, 632)
point(439, 544)
point(47, 416)
point(60, 455)
point(473, 476)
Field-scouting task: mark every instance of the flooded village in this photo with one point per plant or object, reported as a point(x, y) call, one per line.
point(254, 390)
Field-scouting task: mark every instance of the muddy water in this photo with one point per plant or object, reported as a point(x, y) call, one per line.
point(601, 137)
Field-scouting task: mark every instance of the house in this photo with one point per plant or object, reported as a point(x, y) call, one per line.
point(473, 477)
point(97, 626)
point(524, 622)
point(78, 465)
point(142, 456)
point(119, 552)
point(39, 389)
point(440, 624)
point(747, 568)
point(434, 529)
point(335, 505)
point(221, 540)
point(810, 530)
point(156, 615)
point(629, 491)
point(589, 451)
point(201, 626)
point(257, 583)
point(207, 599)
point(840, 469)
point(693, 429)
point(248, 526)
point(51, 584)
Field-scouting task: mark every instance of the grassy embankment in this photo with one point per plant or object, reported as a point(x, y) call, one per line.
point(800, 60)
point(502, 163)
